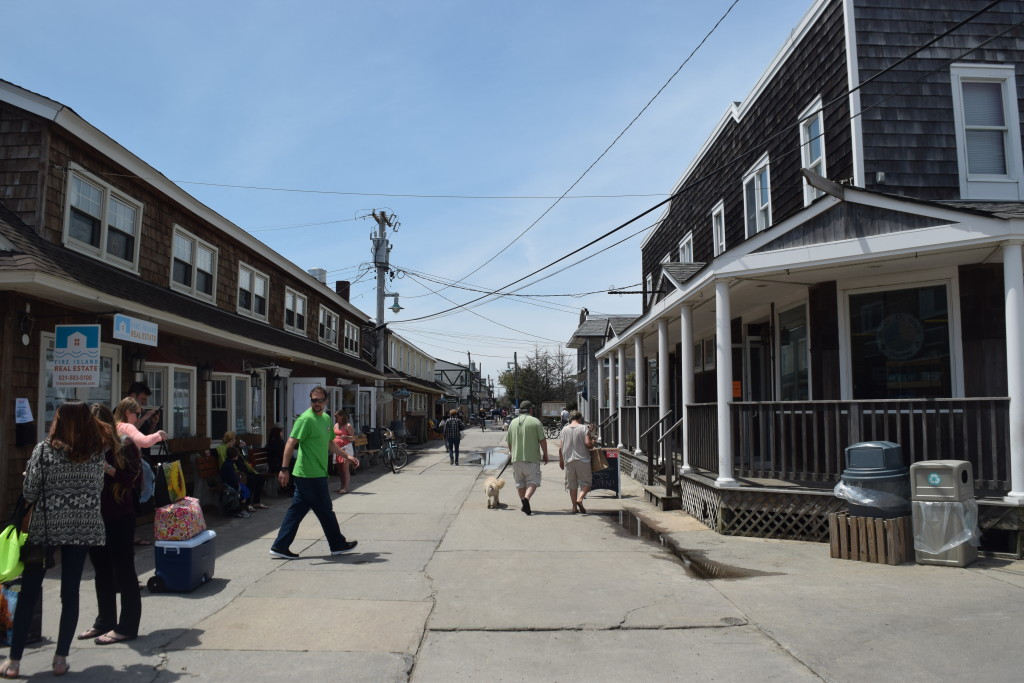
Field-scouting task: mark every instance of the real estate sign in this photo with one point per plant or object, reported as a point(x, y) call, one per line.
point(76, 356)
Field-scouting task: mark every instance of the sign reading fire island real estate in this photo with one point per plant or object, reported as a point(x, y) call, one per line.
point(76, 356)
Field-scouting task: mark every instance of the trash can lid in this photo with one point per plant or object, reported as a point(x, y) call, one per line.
point(883, 455)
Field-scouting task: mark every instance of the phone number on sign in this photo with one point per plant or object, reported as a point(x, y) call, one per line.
point(66, 379)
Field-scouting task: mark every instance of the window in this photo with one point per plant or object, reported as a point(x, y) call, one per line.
point(294, 311)
point(252, 292)
point(793, 355)
point(987, 131)
point(686, 248)
point(649, 288)
point(51, 397)
point(173, 388)
point(328, 330)
point(193, 265)
point(757, 198)
point(351, 338)
point(812, 147)
point(102, 222)
point(230, 398)
point(718, 227)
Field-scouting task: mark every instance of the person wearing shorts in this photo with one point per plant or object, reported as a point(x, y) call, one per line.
point(574, 458)
point(526, 443)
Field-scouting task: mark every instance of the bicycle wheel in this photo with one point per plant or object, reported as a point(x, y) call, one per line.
point(389, 458)
point(399, 458)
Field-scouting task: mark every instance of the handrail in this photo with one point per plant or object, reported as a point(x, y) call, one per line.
point(651, 428)
point(608, 419)
point(671, 429)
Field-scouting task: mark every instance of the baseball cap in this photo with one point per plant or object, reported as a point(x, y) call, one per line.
point(525, 405)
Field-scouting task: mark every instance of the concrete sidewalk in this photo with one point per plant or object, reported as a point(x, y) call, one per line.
point(443, 589)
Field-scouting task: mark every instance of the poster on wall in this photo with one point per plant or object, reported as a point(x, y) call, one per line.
point(76, 356)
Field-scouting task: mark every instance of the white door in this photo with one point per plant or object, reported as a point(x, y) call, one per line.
point(298, 397)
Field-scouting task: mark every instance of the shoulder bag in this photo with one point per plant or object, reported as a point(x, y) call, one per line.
point(597, 460)
point(34, 551)
point(12, 539)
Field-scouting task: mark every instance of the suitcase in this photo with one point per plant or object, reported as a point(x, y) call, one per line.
point(179, 521)
point(183, 566)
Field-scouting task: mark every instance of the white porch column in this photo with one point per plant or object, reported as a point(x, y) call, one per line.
point(600, 389)
point(723, 370)
point(621, 387)
point(1013, 284)
point(641, 383)
point(613, 394)
point(663, 386)
point(686, 360)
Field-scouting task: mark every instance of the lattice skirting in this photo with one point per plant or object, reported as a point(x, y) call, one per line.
point(760, 514)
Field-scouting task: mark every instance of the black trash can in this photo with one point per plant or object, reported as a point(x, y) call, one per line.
point(875, 482)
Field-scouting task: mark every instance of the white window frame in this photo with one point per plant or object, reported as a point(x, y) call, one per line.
point(760, 178)
point(718, 227)
point(1006, 186)
point(293, 301)
point(649, 288)
point(686, 248)
point(254, 276)
point(810, 117)
point(326, 331)
point(197, 244)
point(166, 396)
point(50, 397)
point(106, 203)
point(234, 407)
point(351, 339)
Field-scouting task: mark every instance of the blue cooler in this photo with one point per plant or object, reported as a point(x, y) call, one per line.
point(182, 566)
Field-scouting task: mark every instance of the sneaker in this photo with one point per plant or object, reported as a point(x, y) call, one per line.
point(345, 547)
point(283, 554)
point(242, 513)
point(526, 506)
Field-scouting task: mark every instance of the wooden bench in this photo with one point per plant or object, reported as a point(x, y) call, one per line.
point(209, 483)
point(364, 454)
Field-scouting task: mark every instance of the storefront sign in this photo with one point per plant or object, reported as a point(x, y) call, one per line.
point(76, 356)
point(135, 330)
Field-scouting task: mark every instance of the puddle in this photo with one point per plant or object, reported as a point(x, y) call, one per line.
point(490, 459)
point(695, 562)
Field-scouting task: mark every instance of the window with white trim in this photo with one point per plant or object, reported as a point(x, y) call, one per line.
point(174, 391)
point(193, 265)
point(686, 248)
point(294, 311)
point(252, 292)
point(812, 146)
point(328, 328)
point(230, 405)
point(50, 396)
point(101, 221)
point(718, 227)
point(649, 288)
point(351, 339)
point(987, 131)
point(757, 198)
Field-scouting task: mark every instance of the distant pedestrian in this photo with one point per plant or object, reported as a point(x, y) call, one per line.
point(313, 436)
point(574, 458)
point(565, 417)
point(343, 438)
point(452, 429)
point(526, 443)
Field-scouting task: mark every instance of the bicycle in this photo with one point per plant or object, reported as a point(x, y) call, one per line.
point(393, 455)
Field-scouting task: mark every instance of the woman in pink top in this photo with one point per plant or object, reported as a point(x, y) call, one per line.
point(127, 416)
point(343, 437)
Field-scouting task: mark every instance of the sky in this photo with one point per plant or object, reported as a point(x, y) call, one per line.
point(466, 119)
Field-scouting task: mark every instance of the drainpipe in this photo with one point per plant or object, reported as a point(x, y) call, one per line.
point(687, 379)
point(1013, 284)
point(723, 370)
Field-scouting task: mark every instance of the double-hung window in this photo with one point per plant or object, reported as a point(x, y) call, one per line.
point(351, 339)
point(757, 198)
point(987, 131)
point(328, 329)
point(229, 403)
point(252, 292)
point(812, 147)
point(718, 227)
point(294, 311)
point(101, 221)
point(686, 248)
point(193, 265)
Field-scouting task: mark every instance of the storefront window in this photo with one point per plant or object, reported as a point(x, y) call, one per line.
point(899, 344)
point(793, 384)
point(110, 358)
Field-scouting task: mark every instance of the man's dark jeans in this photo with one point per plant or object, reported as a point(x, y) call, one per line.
point(310, 494)
point(453, 449)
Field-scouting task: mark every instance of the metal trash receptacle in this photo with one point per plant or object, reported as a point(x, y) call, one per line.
point(875, 482)
point(945, 513)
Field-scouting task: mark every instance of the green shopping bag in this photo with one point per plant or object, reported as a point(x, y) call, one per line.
point(12, 538)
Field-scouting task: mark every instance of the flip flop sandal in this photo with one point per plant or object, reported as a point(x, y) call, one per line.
point(91, 633)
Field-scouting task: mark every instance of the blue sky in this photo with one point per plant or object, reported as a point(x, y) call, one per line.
point(343, 102)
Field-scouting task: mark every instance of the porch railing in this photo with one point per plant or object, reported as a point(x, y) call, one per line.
point(806, 440)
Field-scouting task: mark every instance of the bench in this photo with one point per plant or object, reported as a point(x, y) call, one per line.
point(208, 481)
point(364, 454)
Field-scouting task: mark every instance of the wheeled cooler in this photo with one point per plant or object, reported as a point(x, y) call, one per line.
point(182, 566)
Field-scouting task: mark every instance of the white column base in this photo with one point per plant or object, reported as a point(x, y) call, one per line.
point(726, 483)
point(686, 469)
point(1014, 498)
point(621, 446)
point(638, 452)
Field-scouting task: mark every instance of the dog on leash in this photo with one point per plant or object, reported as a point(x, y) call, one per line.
point(491, 488)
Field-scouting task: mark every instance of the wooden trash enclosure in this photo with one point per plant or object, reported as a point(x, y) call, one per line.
point(870, 539)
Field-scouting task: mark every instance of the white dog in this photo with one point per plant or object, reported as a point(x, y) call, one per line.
point(491, 488)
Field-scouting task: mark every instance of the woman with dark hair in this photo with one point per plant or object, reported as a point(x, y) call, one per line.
point(64, 479)
point(114, 562)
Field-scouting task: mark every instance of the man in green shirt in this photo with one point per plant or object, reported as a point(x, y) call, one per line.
point(526, 443)
point(313, 436)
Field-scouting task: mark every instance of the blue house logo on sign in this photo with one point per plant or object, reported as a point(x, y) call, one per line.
point(934, 479)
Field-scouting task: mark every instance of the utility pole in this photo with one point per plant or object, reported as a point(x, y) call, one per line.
point(381, 252)
point(469, 367)
point(515, 358)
